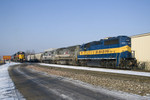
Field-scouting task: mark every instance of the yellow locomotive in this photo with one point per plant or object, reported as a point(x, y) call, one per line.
point(19, 57)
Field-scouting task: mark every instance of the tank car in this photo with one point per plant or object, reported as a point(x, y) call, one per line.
point(38, 57)
point(109, 52)
point(34, 57)
point(31, 58)
point(28, 58)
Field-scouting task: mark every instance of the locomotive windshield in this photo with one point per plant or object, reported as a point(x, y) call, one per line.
point(110, 42)
point(87, 45)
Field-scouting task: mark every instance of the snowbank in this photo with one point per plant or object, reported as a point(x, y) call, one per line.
point(7, 88)
point(100, 69)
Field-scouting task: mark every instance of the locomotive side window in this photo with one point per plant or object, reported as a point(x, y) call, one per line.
point(87, 46)
point(110, 42)
point(96, 43)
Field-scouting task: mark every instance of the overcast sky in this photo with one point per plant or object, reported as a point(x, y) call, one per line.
point(42, 24)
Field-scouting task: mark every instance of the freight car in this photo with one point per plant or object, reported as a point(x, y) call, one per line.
point(34, 57)
point(38, 57)
point(110, 52)
point(30, 58)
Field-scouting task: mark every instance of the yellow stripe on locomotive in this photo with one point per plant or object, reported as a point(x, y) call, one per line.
point(21, 56)
point(106, 51)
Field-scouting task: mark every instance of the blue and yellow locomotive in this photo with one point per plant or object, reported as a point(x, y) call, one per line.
point(110, 52)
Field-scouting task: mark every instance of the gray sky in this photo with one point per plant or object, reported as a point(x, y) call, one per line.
point(42, 24)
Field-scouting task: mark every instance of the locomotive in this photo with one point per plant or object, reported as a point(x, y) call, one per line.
point(19, 57)
point(109, 52)
point(65, 55)
point(112, 52)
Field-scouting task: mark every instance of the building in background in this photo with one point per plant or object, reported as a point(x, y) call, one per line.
point(141, 45)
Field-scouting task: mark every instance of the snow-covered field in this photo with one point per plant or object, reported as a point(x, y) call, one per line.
point(100, 69)
point(7, 88)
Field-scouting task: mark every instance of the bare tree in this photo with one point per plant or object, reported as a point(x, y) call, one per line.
point(33, 52)
point(27, 52)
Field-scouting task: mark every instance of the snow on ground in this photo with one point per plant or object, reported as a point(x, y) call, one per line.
point(100, 69)
point(7, 88)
